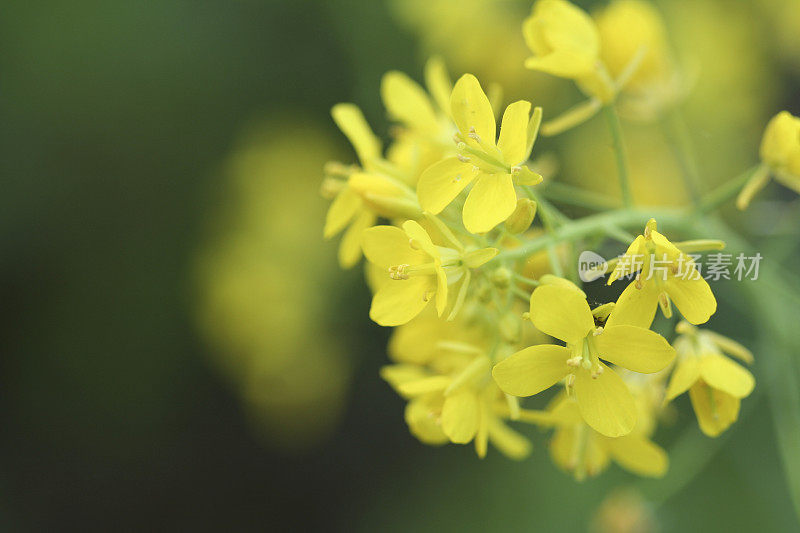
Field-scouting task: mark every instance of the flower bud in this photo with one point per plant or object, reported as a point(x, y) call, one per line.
point(780, 146)
point(385, 196)
point(521, 218)
point(501, 277)
point(563, 39)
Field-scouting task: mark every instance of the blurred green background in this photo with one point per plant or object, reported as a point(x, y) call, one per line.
point(154, 151)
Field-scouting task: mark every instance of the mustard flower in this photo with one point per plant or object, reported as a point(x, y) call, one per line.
point(604, 401)
point(424, 128)
point(628, 28)
point(566, 43)
point(453, 399)
point(780, 157)
point(577, 448)
point(362, 194)
point(716, 384)
point(418, 270)
point(664, 275)
point(491, 167)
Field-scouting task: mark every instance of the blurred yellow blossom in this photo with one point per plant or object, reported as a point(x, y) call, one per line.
point(715, 383)
point(780, 157)
point(290, 371)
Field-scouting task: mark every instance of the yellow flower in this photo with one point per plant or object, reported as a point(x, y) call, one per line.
point(563, 38)
point(565, 42)
point(604, 401)
point(453, 399)
point(628, 28)
point(780, 157)
point(425, 129)
point(715, 383)
point(417, 270)
point(579, 449)
point(362, 194)
point(664, 275)
point(492, 167)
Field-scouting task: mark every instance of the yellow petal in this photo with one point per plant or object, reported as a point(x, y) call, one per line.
point(471, 109)
point(605, 402)
point(438, 81)
point(440, 183)
point(730, 347)
point(532, 370)
point(562, 448)
point(564, 38)
point(508, 441)
point(595, 458)
point(399, 301)
point(693, 298)
point(715, 410)
point(342, 210)
point(686, 374)
point(421, 418)
point(423, 385)
point(561, 312)
point(396, 375)
point(635, 307)
point(476, 258)
point(482, 435)
point(388, 246)
point(513, 141)
point(353, 124)
point(561, 63)
point(407, 102)
point(491, 201)
point(441, 291)
point(639, 455)
point(460, 416)
point(634, 348)
point(664, 247)
point(350, 247)
point(626, 263)
point(723, 374)
point(420, 237)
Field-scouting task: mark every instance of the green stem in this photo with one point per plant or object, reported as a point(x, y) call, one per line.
point(725, 192)
point(561, 192)
point(618, 140)
point(597, 224)
point(681, 142)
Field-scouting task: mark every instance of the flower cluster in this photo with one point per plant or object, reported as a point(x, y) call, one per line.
point(486, 302)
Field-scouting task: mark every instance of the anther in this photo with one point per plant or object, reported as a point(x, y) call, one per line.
point(597, 331)
point(574, 361)
point(398, 272)
point(462, 158)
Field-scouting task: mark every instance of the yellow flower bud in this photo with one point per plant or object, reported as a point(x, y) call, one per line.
point(563, 38)
point(501, 277)
point(521, 218)
point(780, 146)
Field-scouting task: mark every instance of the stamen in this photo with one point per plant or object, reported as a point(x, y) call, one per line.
point(462, 158)
point(575, 361)
point(398, 272)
